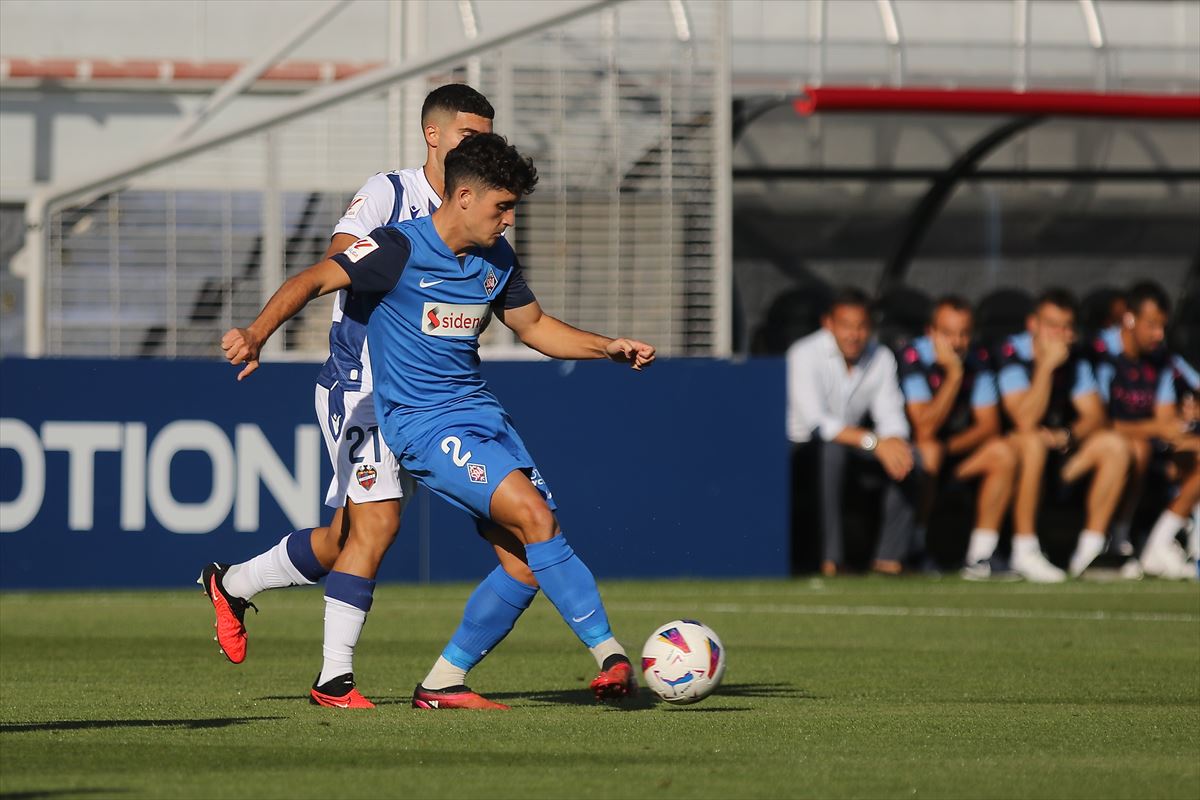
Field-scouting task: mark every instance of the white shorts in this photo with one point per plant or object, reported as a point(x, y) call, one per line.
point(364, 469)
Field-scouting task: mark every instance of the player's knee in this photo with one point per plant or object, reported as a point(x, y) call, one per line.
point(1110, 448)
point(1002, 456)
point(534, 521)
point(1028, 445)
point(931, 456)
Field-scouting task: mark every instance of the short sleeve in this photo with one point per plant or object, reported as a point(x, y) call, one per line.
point(1105, 372)
point(1085, 379)
point(375, 263)
point(516, 293)
point(912, 379)
point(916, 388)
point(371, 207)
point(1013, 378)
point(1166, 388)
point(983, 393)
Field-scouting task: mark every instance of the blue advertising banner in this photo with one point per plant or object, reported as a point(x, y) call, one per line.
point(136, 473)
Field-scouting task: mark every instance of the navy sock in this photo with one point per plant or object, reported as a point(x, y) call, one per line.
point(300, 553)
point(571, 588)
point(350, 589)
point(492, 610)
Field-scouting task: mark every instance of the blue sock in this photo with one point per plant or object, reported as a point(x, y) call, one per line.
point(571, 588)
point(300, 553)
point(492, 610)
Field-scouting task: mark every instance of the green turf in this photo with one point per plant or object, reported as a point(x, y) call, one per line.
point(846, 688)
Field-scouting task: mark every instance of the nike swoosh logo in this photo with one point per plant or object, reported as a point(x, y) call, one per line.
point(425, 285)
point(585, 616)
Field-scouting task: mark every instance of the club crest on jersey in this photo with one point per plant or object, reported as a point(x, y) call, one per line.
point(489, 283)
point(453, 319)
point(362, 247)
point(477, 473)
point(355, 205)
point(366, 476)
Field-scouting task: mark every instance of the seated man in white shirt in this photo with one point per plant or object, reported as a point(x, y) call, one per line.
point(835, 378)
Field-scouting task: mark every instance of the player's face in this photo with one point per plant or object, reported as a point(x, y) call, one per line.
point(1148, 326)
point(851, 329)
point(1052, 322)
point(490, 213)
point(448, 132)
point(954, 326)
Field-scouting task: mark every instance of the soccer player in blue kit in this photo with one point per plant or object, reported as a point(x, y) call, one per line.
point(433, 285)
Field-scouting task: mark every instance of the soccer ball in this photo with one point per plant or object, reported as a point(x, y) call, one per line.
point(683, 661)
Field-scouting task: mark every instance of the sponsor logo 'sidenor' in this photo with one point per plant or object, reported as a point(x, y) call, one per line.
point(450, 319)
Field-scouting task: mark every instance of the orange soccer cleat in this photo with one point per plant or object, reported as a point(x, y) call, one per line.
point(616, 680)
point(453, 697)
point(230, 611)
point(338, 692)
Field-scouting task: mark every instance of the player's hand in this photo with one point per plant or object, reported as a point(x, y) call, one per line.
point(896, 457)
point(1055, 438)
point(630, 351)
point(1187, 443)
point(241, 346)
point(1050, 351)
point(945, 355)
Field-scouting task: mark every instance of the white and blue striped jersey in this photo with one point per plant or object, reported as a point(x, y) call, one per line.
point(386, 198)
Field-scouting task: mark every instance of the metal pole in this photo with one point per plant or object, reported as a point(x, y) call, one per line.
point(271, 273)
point(42, 202)
point(723, 184)
point(251, 72)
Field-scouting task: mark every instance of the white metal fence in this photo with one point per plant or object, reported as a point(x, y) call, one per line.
point(623, 111)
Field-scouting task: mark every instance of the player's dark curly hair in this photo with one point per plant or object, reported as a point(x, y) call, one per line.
point(456, 97)
point(487, 159)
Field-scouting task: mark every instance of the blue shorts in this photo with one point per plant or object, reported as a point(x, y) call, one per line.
point(463, 453)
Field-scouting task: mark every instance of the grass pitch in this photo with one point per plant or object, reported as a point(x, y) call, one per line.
point(846, 688)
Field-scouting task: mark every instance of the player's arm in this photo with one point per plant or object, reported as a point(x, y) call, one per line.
point(242, 345)
point(1089, 415)
point(1165, 425)
point(339, 243)
point(1027, 407)
point(985, 425)
point(552, 337)
point(928, 416)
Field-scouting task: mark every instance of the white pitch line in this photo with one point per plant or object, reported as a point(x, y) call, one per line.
point(904, 611)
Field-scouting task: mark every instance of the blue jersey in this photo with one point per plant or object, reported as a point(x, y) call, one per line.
point(921, 376)
point(428, 307)
point(1070, 381)
point(1131, 387)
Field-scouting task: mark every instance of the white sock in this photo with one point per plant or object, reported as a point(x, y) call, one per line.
point(982, 544)
point(444, 675)
point(609, 647)
point(1090, 545)
point(1194, 535)
point(1169, 523)
point(270, 570)
point(1026, 544)
point(343, 626)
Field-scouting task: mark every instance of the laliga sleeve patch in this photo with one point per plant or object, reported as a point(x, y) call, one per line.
point(362, 247)
point(355, 205)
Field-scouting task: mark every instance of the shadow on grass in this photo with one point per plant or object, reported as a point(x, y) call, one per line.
point(35, 794)
point(100, 724)
point(645, 699)
point(582, 697)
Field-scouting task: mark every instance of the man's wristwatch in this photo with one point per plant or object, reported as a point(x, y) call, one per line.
point(869, 442)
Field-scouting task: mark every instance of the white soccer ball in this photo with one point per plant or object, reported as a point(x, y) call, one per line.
point(683, 661)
